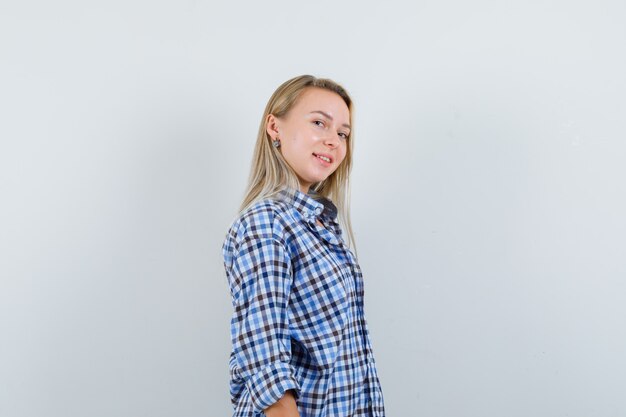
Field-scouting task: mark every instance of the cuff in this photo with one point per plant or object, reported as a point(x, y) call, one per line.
point(269, 385)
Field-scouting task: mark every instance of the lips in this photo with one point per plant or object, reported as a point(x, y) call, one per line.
point(324, 157)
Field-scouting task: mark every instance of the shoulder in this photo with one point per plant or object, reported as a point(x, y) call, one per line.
point(266, 219)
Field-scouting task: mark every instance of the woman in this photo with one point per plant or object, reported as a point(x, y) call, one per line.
point(301, 344)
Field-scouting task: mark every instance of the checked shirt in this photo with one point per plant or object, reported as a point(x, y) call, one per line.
point(298, 319)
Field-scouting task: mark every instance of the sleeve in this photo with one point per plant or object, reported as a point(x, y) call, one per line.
point(261, 274)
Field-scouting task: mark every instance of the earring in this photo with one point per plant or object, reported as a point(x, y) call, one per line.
point(276, 143)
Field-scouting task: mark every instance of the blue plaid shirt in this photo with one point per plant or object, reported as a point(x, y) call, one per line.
point(298, 321)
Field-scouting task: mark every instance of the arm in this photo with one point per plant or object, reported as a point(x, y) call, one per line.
point(260, 280)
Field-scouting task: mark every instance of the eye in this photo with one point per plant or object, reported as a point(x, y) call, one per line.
point(344, 135)
point(318, 122)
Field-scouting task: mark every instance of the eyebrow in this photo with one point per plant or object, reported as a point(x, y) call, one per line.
point(328, 116)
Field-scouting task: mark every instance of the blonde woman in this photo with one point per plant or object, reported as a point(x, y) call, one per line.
point(300, 341)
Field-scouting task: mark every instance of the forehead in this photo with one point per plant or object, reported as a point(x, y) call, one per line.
point(312, 99)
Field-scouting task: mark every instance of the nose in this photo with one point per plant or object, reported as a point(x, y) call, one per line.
point(332, 141)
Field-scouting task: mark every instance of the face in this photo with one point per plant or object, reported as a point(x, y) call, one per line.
point(313, 135)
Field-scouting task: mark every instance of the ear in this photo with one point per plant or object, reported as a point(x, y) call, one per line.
point(271, 126)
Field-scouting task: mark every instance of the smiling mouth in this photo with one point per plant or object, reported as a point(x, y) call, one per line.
point(323, 158)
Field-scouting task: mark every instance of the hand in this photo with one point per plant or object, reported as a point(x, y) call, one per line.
point(285, 407)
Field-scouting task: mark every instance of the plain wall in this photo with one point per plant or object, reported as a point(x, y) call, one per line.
point(488, 198)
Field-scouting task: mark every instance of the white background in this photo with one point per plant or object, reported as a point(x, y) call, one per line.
point(488, 197)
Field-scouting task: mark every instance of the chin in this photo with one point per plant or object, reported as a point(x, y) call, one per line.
point(320, 179)
point(317, 177)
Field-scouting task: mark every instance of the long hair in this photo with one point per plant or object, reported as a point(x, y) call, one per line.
point(270, 173)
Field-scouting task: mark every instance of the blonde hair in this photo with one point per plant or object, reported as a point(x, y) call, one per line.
point(270, 173)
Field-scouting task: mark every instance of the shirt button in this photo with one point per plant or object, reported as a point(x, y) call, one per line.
point(318, 210)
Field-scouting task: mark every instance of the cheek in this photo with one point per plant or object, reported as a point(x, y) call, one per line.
point(344, 152)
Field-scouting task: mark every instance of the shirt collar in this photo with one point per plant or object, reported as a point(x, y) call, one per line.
point(311, 205)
